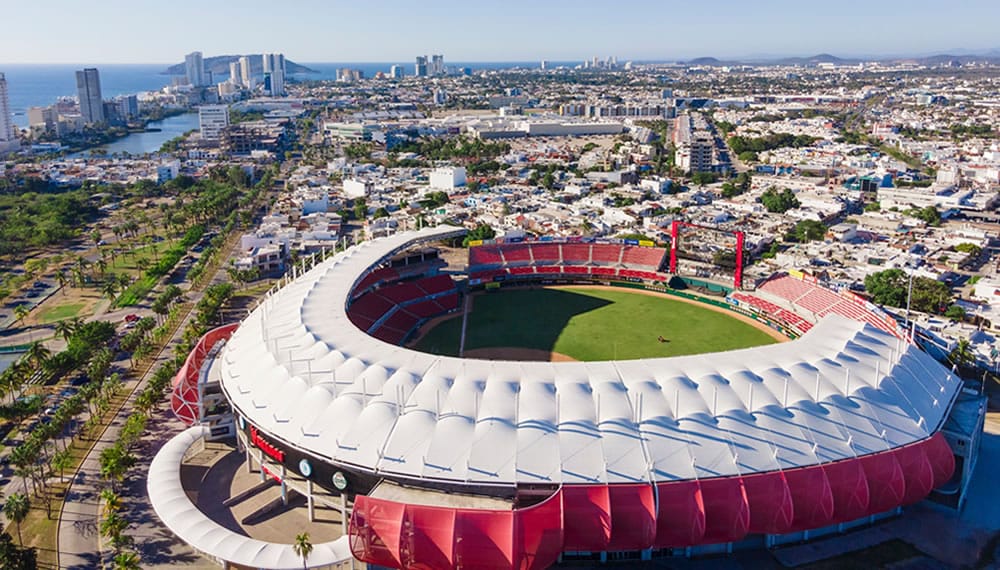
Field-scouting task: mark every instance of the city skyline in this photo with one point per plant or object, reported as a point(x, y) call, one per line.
point(518, 32)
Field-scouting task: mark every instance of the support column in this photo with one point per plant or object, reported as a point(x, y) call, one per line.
point(343, 512)
point(309, 499)
point(284, 487)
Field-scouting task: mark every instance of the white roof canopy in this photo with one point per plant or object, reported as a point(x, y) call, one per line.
point(301, 371)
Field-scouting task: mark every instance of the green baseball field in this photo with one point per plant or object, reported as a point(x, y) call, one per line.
point(588, 324)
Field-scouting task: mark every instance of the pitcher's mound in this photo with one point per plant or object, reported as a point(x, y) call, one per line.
point(523, 354)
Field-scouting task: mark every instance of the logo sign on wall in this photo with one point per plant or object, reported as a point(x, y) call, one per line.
point(339, 481)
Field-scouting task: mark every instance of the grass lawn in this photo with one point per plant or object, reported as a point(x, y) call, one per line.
point(129, 263)
point(60, 312)
point(592, 324)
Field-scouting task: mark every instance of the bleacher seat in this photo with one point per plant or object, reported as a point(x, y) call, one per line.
point(606, 253)
point(642, 257)
point(545, 252)
point(576, 253)
point(484, 255)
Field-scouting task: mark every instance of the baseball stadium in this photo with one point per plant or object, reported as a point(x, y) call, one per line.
point(548, 401)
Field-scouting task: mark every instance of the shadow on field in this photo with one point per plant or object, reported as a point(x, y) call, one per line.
point(515, 317)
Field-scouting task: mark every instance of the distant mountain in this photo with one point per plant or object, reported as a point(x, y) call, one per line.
point(219, 66)
point(991, 56)
point(705, 61)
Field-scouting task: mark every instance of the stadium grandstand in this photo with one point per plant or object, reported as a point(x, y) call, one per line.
point(446, 462)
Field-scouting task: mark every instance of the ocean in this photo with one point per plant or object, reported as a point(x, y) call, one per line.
point(37, 85)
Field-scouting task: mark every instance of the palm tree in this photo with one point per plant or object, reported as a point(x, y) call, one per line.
point(38, 354)
point(66, 327)
point(962, 355)
point(16, 508)
point(112, 501)
point(102, 265)
point(61, 460)
point(127, 561)
point(21, 312)
point(62, 280)
point(303, 547)
point(110, 288)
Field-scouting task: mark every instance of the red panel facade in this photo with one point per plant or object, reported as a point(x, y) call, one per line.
point(885, 481)
point(917, 472)
point(770, 501)
point(680, 514)
point(849, 488)
point(633, 517)
point(484, 539)
point(941, 457)
point(375, 531)
point(727, 514)
point(586, 517)
point(538, 534)
point(428, 537)
point(184, 397)
point(811, 497)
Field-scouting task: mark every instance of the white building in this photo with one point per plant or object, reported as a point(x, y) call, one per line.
point(8, 136)
point(354, 188)
point(274, 73)
point(396, 72)
point(246, 73)
point(448, 178)
point(167, 171)
point(212, 119)
point(194, 65)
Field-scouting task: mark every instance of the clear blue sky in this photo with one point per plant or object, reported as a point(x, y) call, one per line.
point(158, 31)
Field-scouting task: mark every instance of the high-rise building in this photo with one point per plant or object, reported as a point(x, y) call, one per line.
point(128, 106)
point(235, 76)
point(88, 90)
point(396, 72)
point(246, 72)
point(545, 64)
point(7, 134)
point(420, 68)
point(274, 73)
point(437, 65)
point(212, 120)
point(195, 67)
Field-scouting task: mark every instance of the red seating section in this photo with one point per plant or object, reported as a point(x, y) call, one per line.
point(820, 301)
point(529, 258)
point(392, 311)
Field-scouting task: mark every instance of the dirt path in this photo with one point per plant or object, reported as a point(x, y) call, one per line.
point(756, 324)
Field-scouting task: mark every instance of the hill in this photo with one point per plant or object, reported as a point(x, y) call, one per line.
point(219, 65)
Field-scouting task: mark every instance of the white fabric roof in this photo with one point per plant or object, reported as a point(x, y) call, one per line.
point(302, 372)
point(172, 505)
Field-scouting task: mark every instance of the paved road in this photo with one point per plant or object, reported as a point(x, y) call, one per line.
point(78, 541)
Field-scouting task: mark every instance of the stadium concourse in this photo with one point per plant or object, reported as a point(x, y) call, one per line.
point(445, 462)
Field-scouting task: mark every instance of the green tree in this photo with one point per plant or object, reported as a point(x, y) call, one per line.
point(890, 288)
point(955, 312)
point(16, 508)
point(808, 230)
point(779, 202)
point(21, 312)
point(303, 547)
point(360, 209)
point(481, 232)
point(38, 354)
point(127, 561)
point(381, 212)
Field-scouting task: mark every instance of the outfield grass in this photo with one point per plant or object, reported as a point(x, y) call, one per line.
point(593, 324)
